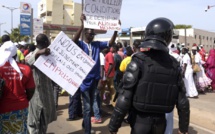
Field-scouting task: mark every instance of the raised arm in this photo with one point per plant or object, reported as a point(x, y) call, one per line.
point(113, 38)
point(78, 33)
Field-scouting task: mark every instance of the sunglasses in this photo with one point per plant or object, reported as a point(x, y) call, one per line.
point(91, 34)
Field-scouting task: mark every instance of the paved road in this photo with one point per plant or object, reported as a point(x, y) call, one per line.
point(202, 119)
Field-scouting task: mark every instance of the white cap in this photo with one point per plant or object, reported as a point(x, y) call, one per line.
point(15, 43)
point(23, 43)
point(194, 48)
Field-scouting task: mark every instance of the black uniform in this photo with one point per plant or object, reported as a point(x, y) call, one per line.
point(152, 85)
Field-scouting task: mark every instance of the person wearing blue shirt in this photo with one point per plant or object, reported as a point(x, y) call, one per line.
point(89, 86)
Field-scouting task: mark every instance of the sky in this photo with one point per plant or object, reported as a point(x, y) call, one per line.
point(136, 13)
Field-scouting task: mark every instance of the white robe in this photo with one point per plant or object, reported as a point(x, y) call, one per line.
point(188, 78)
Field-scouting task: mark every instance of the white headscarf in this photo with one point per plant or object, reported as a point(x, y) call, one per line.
point(172, 47)
point(194, 48)
point(7, 51)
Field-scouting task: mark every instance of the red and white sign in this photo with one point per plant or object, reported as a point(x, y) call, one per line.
point(37, 26)
point(25, 8)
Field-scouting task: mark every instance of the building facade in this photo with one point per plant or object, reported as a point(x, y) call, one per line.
point(59, 12)
point(197, 36)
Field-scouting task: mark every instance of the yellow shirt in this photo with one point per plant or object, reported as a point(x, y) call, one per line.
point(20, 56)
point(124, 63)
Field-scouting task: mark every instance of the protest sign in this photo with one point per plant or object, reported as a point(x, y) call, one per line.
point(67, 65)
point(102, 14)
point(37, 26)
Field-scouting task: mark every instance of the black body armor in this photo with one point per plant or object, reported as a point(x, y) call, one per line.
point(157, 89)
point(152, 83)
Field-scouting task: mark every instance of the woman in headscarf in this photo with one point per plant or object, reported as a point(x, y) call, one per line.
point(210, 67)
point(17, 91)
point(202, 81)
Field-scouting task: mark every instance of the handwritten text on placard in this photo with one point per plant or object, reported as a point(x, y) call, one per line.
point(67, 65)
point(102, 14)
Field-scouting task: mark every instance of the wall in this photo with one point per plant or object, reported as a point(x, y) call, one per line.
point(77, 14)
point(57, 12)
point(199, 37)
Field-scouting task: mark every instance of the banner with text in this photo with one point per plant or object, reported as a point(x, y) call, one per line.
point(102, 14)
point(25, 24)
point(37, 26)
point(67, 65)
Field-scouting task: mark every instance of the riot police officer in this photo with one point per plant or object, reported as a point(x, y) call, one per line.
point(152, 85)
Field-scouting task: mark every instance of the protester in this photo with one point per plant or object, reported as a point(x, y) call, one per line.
point(173, 51)
point(22, 46)
point(17, 91)
point(203, 81)
point(152, 85)
point(31, 49)
point(120, 51)
point(202, 53)
point(20, 57)
point(188, 75)
point(89, 85)
point(136, 45)
point(101, 84)
point(42, 110)
point(210, 67)
point(127, 60)
point(109, 74)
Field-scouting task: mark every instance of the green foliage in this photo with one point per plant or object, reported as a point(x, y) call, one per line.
point(181, 26)
point(15, 35)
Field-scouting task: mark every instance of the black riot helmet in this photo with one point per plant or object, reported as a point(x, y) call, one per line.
point(158, 34)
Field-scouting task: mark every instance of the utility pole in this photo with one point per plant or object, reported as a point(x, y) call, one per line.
point(11, 9)
point(185, 35)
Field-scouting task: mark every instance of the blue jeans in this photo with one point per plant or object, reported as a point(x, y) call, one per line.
point(169, 123)
point(75, 105)
point(90, 97)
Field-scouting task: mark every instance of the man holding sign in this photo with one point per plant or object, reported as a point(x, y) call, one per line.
point(89, 85)
point(42, 110)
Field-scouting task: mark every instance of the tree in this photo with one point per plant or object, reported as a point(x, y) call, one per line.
point(15, 35)
point(181, 26)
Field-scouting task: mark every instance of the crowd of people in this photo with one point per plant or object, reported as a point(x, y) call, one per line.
point(197, 68)
point(29, 99)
